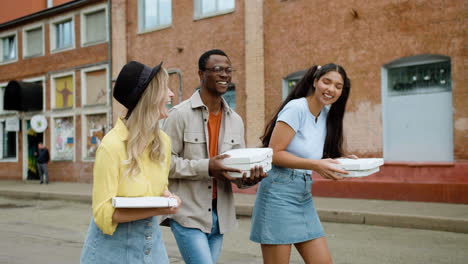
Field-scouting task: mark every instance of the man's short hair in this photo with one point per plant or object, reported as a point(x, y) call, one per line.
point(205, 56)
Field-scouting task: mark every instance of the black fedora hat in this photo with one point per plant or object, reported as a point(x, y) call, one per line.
point(132, 82)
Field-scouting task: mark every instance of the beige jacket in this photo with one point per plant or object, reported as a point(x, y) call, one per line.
point(188, 177)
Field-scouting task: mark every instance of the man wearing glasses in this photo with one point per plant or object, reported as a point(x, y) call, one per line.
point(201, 128)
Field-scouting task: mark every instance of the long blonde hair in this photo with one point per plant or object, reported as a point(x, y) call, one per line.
point(143, 125)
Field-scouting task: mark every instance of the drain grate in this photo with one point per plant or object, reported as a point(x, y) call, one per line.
point(13, 206)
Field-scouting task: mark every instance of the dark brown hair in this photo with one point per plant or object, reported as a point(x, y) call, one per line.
point(334, 140)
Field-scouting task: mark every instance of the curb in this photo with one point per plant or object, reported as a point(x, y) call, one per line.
point(336, 216)
point(389, 220)
point(393, 220)
point(45, 196)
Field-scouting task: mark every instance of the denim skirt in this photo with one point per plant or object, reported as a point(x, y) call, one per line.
point(284, 212)
point(133, 242)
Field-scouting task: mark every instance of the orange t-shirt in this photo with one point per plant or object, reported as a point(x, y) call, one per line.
point(214, 124)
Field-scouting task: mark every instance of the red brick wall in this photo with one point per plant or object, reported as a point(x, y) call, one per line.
point(301, 33)
point(59, 2)
point(225, 32)
point(11, 10)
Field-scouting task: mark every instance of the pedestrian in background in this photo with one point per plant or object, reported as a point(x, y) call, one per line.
point(305, 134)
point(43, 159)
point(201, 128)
point(132, 160)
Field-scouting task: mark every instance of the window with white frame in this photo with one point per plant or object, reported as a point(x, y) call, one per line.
point(207, 8)
point(9, 48)
point(93, 26)
point(7, 142)
point(154, 14)
point(62, 34)
point(33, 41)
point(63, 138)
point(63, 91)
point(95, 127)
point(94, 86)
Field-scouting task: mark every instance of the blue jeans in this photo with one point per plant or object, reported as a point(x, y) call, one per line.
point(197, 247)
point(43, 172)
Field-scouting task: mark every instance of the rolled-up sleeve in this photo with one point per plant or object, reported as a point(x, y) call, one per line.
point(106, 175)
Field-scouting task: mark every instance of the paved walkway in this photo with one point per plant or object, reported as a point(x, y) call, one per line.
point(432, 216)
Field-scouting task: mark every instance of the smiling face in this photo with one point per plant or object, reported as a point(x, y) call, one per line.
point(215, 82)
point(328, 88)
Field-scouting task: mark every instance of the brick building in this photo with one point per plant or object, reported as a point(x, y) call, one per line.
point(405, 60)
point(409, 99)
point(62, 48)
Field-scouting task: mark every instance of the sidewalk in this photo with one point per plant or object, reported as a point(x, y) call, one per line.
point(432, 216)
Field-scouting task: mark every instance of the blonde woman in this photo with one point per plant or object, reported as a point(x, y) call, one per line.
point(132, 160)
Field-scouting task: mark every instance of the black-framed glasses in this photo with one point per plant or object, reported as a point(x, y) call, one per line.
point(220, 69)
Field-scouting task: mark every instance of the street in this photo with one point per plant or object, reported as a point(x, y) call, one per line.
point(52, 231)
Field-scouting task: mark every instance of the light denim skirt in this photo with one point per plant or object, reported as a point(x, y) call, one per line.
point(284, 212)
point(133, 242)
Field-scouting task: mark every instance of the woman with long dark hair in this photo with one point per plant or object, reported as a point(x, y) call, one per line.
point(306, 134)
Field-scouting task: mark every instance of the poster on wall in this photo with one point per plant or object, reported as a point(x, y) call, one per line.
point(96, 87)
point(63, 141)
point(64, 92)
point(12, 124)
point(95, 131)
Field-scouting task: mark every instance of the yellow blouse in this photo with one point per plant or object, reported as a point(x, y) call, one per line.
point(110, 181)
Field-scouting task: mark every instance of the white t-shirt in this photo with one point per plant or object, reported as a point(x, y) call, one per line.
point(310, 135)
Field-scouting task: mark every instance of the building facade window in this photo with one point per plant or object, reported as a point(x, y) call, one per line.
point(423, 78)
point(9, 48)
point(208, 8)
point(63, 138)
point(93, 131)
point(62, 34)
point(33, 41)
point(154, 14)
point(63, 91)
point(8, 142)
point(94, 85)
point(290, 81)
point(40, 81)
point(94, 26)
point(417, 100)
point(230, 96)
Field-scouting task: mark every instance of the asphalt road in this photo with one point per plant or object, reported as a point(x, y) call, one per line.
point(52, 232)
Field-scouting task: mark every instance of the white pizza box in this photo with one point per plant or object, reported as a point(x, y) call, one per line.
point(266, 167)
point(248, 156)
point(143, 202)
point(247, 166)
point(359, 173)
point(359, 164)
